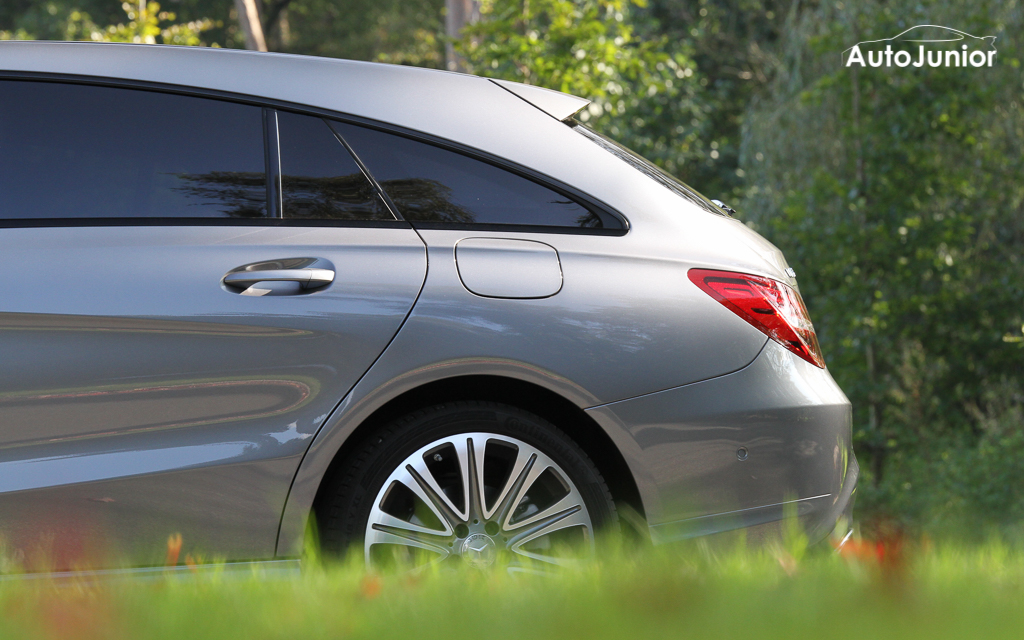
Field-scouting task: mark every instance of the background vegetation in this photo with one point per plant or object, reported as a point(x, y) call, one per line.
point(896, 194)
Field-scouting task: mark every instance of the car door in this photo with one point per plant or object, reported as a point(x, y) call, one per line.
point(189, 287)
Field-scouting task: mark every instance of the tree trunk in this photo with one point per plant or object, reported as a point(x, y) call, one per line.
point(249, 20)
point(459, 13)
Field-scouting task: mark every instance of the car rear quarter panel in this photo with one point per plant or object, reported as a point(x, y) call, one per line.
point(623, 324)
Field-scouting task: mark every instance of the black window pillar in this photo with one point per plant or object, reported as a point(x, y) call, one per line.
point(272, 144)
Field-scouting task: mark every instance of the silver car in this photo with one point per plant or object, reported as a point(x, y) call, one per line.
point(246, 296)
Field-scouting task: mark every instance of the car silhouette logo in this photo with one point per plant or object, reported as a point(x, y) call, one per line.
point(936, 46)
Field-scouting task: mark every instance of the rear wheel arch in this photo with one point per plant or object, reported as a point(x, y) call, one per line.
point(550, 406)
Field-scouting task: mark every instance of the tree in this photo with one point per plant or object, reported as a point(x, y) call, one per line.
point(397, 31)
point(896, 195)
point(146, 23)
point(249, 20)
point(643, 88)
point(734, 45)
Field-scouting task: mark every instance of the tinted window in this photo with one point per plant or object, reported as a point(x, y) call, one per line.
point(77, 151)
point(319, 177)
point(430, 184)
point(652, 170)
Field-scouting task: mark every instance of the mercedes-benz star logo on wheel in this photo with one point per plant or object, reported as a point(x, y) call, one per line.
point(479, 551)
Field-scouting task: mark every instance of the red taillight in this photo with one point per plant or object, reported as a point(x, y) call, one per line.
point(772, 307)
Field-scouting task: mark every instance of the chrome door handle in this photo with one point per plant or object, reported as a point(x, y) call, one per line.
point(310, 273)
point(308, 278)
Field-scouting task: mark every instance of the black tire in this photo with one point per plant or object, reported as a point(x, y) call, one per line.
point(346, 501)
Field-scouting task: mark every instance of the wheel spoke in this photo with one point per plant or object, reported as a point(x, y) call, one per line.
point(514, 491)
point(562, 515)
point(566, 503)
point(566, 513)
point(382, 534)
point(523, 459)
point(426, 488)
point(433, 541)
point(575, 516)
point(461, 445)
point(530, 474)
point(474, 480)
point(389, 522)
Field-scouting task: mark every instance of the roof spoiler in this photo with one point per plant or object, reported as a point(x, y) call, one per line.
point(558, 105)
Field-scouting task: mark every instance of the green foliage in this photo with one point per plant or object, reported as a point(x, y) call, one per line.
point(965, 485)
point(146, 23)
point(733, 45)
point(642, 86)
point(896, 195)
point(396, 31)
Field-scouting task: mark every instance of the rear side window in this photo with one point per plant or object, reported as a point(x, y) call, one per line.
point(79, 151)
point(650, 169)
point(429, 184)
point(319, 178)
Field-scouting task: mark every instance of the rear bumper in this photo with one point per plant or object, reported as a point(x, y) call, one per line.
point(749, 448)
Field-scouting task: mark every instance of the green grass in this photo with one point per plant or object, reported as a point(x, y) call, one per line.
point(687, 592)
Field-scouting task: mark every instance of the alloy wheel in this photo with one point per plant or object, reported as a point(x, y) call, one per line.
point(480, 499)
